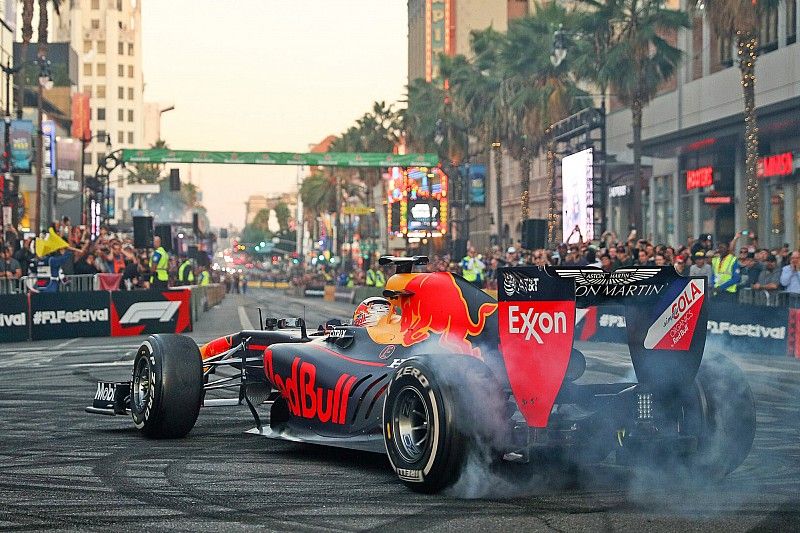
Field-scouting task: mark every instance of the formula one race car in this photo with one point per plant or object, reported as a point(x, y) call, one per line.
point(438, 370)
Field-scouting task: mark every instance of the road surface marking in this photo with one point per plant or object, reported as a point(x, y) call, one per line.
point(244, 320)
point(64, 344)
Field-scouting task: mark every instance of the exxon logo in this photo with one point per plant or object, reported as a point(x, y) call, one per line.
point(534, 324)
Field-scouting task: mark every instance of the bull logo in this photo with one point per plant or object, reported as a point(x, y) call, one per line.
point(438, 306)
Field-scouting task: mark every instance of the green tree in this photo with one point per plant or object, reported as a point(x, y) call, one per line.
point(741, 20)
point(638, 60)
point(283, 214)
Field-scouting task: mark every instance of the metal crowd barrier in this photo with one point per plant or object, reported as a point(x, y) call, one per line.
point(73, 283)
point(769, 298)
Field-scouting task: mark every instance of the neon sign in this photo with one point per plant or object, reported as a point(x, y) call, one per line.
point(417, 202)
point(776, 165)
point(699, 177)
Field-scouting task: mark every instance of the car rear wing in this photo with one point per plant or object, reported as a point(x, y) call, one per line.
point(665, 318)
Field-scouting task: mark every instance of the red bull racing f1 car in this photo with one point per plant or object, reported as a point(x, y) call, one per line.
point(438, 370)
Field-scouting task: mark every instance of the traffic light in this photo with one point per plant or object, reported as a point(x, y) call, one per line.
point(174, 179)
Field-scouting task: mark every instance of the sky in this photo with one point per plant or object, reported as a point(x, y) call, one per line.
point(266, 75)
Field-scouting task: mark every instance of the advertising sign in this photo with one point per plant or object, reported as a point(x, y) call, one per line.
point(65, 315)
point(13, 317)
point(699, 177)
point(81, 113)
point(477, 184)
point(146, 312)
point(577, 172)
point(437, 35)
point(21, 147)
point(775, 165)
point(49, 146)
point(68, 167)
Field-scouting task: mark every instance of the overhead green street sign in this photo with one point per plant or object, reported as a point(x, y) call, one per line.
point(331, 159)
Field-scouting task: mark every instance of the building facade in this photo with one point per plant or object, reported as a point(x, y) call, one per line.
point(107, 36)
point(693, 137)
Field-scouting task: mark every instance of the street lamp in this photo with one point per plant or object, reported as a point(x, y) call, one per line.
point(45, 82)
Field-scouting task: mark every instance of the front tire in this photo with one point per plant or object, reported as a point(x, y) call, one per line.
point(167, 386)
point(439, 410)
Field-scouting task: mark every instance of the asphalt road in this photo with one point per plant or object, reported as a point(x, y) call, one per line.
point(64, 469)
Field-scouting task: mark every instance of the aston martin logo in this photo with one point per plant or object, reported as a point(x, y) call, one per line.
point(595, 276)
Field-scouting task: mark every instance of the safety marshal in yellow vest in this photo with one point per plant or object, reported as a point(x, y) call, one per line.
point(725, 275)
point(375, 278)
point(472, 268)
point(186, 273)
point(205, 278)
point(159, 265)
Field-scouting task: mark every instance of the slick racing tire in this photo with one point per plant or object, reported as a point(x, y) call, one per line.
point(167, 386)
point(439, 411)
point(722, 410)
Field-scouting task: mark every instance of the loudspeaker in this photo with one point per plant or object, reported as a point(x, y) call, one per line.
point(534, 233)
point(174, 179)
point(459, 249)
point(195, 223)
point(165, 232)
point(143, 232)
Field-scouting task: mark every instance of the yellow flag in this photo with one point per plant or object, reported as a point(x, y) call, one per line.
point(50, 244)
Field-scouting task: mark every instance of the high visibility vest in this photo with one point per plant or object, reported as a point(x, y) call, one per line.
point(163, 263)
point(472, 271)
point(185, 272)
point(205, 279)
point(380, 279)
point(370, 278)
point(723, 272)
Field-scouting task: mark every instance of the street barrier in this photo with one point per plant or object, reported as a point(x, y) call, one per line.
point(740, 328)
point(68, 315)
point(14, 321)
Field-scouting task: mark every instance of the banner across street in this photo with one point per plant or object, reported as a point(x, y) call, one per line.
point(331, 159)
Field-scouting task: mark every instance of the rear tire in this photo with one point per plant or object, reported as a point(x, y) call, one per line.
point(438, 411)
point(723, 402)
point(167, 386)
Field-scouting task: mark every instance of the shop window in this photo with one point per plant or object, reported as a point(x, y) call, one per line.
point(101, 69)
point(662, 209)
point(768, 39)
point(101, 47)
point(101, 91)
point(87, 69)
point(120, 115)
point(120, 93)
point(791, 22)
point(130, 115)
point(101, 113)
point(120, 48)
point(130, 137)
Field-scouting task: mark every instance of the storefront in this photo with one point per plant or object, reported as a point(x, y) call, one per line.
point(779, 189)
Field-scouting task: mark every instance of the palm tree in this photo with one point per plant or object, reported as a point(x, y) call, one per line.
point(539, 92)
point(477, 94)
point(741, 19)
point(638, 60)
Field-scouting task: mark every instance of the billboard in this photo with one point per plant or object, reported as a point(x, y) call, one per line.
point(20, 137)
point(64, 315)
point(417, 202)
point(577, 172)
point(49, 145)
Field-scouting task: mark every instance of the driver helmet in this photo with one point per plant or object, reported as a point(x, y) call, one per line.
point(370, 311)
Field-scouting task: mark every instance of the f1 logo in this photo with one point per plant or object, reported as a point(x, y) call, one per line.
point(163, 311)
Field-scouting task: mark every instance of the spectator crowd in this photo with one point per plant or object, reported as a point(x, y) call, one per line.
point(78, 255)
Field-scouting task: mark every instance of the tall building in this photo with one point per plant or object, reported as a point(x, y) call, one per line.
point(444, 26)
point(8, 22)
point(107, 36)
